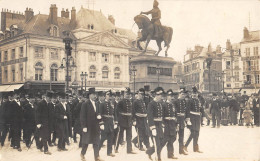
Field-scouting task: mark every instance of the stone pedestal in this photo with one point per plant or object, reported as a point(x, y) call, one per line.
point(147, 72)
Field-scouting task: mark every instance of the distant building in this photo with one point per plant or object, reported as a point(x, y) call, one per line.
point(32, 50)
point(196, 73)
point(232, 67)
point(250, 45)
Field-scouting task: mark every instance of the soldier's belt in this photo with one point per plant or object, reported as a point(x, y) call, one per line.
point(195, 113)
point(126, 114)
point(108, 116)
point(157, 119)
point(170, 118)
point(141, 114)
point(181, 114)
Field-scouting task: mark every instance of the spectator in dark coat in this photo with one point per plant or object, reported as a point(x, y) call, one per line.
point(76, 115)
point(5, 117)
point(256, 104)
point(215, 111)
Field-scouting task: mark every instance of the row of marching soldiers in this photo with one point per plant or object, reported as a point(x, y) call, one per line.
point(160, 117)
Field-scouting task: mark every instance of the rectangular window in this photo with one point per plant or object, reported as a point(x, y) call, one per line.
point(13, 54)
point(6, 56)
point(255, 51)
point(227, 64)
point(236, 85)
point(38, 52)
point(92, 56)
point(13, 75)
point(117, 75)
point(92, 75)
point(229, 85)
point(247, 51)
point(248, 79)
point(104, 74)
point(151, 70)
point(6, 75)
point(38, 74)
point(236, 64)
point(236, 76)
point(54, 74)
point(258, 79)
point(21, 74)
point(105, 57)
point(54, 54)
point(117, 59)
point(21, 52)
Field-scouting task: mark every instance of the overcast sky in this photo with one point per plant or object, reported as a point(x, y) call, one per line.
point(193, 21)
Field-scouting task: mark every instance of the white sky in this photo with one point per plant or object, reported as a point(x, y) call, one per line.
point(193, 21)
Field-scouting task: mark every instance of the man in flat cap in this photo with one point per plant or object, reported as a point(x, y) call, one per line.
point(170, 124)
point(155, 122)
point(215, 111)
point(125, 120)
point(108, 118)
point(90, 122)
point(140, 113)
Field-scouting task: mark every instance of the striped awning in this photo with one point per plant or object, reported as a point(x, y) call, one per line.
point(9, 88)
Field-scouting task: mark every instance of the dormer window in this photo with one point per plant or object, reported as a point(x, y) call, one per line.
point(2, 36)
point(7, 33)
point(54, 31)
point(13, 30)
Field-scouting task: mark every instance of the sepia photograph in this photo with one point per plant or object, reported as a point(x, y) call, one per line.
point(129, 80)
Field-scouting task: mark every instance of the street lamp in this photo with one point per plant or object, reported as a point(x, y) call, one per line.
point(158, 74)
point(133, 72)
point(218, 77)
point(223, 78)
point(82, 76)
point(68, 59)
point(209, 61)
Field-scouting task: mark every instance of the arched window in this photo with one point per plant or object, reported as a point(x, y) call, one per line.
point(117, 73)
point(55, 31)
point(38, 71)
point(105, 72)
point(92, 71)
point(54, 72)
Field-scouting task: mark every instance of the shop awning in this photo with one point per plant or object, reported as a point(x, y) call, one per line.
point(3, 88)
point(107, 88)
point(13, 87)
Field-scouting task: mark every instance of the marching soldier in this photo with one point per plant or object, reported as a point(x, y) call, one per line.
point(170, 124)
point(181, 110)
point(194, 118)
point(141, 121)
point(155, 121)
point(90, 122)
point(108, 117)
point(42, 122)
point(125, 120)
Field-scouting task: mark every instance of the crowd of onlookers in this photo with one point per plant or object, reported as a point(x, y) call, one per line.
point(233, 110)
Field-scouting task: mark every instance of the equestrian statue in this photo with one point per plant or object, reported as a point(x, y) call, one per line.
point(153, 30)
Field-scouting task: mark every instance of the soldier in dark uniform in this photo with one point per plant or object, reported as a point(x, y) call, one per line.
point(108, 117)
point(42, 120)
point(170, 124)
point(141, 121)
point(116, 131)
point(182, 111)
point(155, 121)
point(215, 111)
point(125, 120)
point(29, 120)
point(16, 122)
point(194, 118)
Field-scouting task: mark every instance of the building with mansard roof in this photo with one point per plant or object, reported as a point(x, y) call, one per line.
point(196, 73)
point(32, 50)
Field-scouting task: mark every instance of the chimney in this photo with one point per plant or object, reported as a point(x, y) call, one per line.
point(28, 14)
point(62, 13)
point(111, 19)
point(67, 13)
point(53, 16)
point(246, 33)
point(228, 45)
point(73, 15)
point(218, 49)
point(209, 48)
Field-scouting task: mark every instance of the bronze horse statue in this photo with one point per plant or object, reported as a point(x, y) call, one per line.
point(147, 32)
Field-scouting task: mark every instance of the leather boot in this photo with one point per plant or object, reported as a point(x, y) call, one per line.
point(185, 148)
point(196, 149)
point(181, 150)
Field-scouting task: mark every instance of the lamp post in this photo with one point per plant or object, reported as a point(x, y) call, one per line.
point(158, 74)
point(223, 78)
point(133, 72)
point(209, 61)
point(68, 59)
point(218, 77)
point(84, 76)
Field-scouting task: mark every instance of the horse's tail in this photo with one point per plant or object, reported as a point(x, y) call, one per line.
point(170, 35)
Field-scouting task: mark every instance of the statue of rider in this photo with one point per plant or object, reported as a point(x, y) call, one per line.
point(156, 16)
